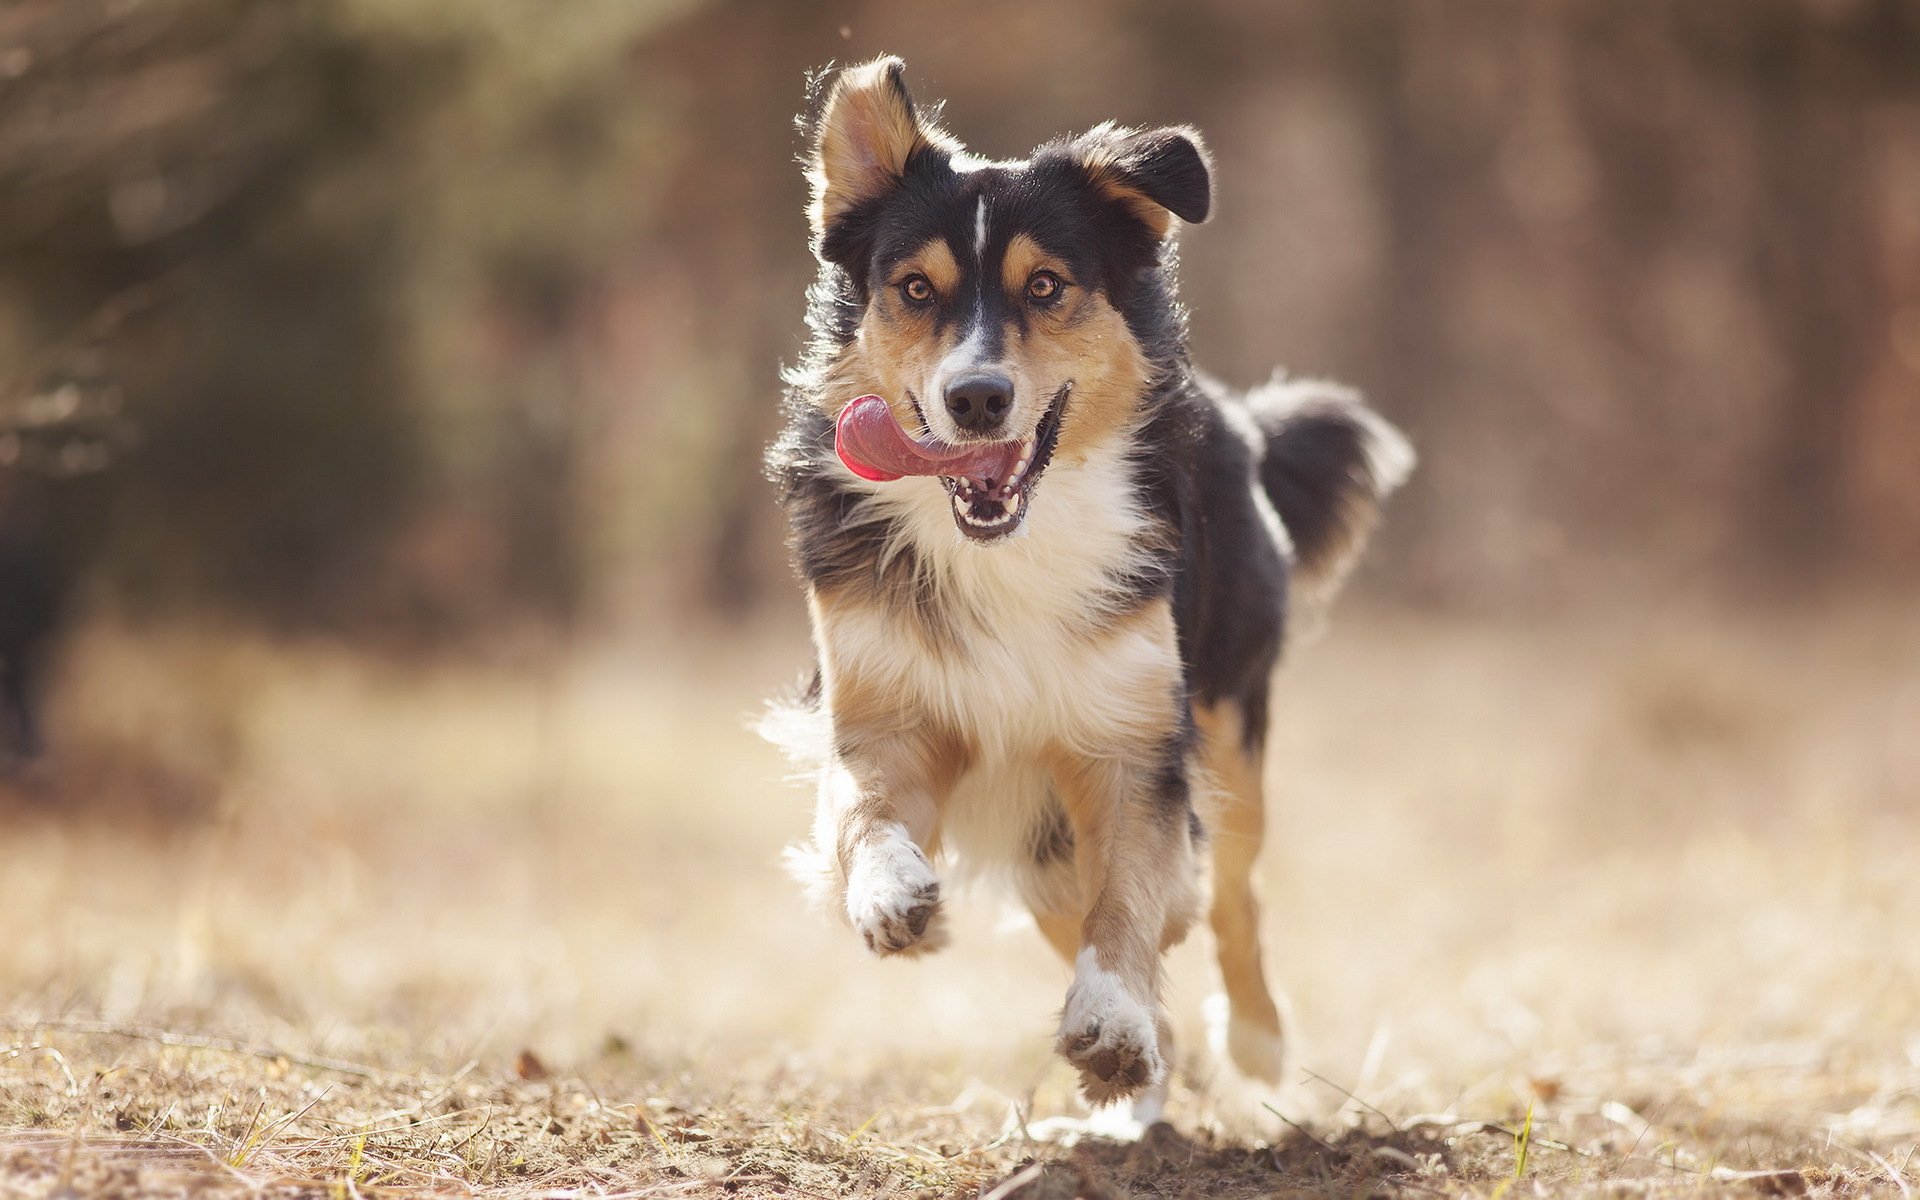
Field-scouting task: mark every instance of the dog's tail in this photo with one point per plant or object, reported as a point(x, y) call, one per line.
point(1328, 463)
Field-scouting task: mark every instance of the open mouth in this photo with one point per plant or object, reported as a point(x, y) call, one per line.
point(993, 503)
point(990, 482)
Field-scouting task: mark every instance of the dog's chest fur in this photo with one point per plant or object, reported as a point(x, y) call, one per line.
point(1018, 648)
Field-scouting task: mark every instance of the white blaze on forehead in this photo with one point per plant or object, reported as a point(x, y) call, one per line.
point(971, 352)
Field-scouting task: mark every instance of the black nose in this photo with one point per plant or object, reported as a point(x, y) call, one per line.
point(979, 402)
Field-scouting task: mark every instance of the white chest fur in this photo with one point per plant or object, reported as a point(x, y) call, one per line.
point(1028, 653)
point(1029, 656)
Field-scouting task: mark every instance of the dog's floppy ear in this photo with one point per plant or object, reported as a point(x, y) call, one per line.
point(1159, 174)
point(863, 138)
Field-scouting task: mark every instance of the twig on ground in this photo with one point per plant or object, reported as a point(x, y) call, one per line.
point(1357, 1100)
point(1886, 1166)
point(1014, 1182)
point(1308, 1133)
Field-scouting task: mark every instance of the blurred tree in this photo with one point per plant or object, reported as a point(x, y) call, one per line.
point(187, 142)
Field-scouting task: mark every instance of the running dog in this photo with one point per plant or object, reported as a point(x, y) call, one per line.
point(1048, 563)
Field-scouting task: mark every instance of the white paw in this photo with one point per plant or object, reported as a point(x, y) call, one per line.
point(1109, 1035)
point(893, 897)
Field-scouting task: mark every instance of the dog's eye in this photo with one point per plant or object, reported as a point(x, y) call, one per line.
point(915, 290)
point(1044, 287)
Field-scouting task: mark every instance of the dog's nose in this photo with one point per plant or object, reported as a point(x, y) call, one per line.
point(979, 402)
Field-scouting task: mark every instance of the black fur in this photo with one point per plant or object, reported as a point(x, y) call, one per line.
point(1051, 841)
point(1320, 477)
point(1165, 165)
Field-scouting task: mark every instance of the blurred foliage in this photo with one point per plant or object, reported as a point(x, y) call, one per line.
point(356, 215)
point(430, 313)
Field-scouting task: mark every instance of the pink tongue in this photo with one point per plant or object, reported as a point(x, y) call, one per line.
point(873, 446)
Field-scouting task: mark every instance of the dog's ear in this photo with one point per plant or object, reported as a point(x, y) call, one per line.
point(1158, 174)
point(863, 138)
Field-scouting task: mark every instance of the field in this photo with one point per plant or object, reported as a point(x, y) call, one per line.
point(1612, 904)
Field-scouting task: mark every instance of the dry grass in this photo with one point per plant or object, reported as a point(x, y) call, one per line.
point(301, 921)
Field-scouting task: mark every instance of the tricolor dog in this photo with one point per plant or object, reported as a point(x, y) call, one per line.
point(1048, 562)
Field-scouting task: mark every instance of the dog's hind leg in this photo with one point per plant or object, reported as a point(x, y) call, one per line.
point(1255, 1039)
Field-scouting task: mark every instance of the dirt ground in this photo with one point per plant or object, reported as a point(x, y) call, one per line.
point(1608, 904)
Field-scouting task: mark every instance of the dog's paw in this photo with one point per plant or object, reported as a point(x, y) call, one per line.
point(900, 920)
point(1109, 1036)
point(1256, 1050)
point(893, 898)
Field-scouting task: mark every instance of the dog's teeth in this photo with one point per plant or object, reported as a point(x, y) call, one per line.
point(959, 505)
point(1013, 504)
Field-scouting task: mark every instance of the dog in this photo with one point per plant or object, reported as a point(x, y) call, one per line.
point(1048, 563)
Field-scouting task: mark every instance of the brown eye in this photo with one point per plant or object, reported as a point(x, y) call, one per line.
point(916, 290)
point(1044, 286)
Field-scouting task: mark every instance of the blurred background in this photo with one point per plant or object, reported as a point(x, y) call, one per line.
point(422, 317)
point(383, 385)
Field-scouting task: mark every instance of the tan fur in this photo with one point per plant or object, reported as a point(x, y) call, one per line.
point(895, 350)
point(872, 725)
point(1061, 931)
point(1135, 866)
point(1137, 886)
point(881, 797)
point(1237, 829)
point(892, 761)
point(1024, 257)
point(1134, 860)
point(1087, 344)
point(1103, 167)
point(934, 260)
point(1082, 341)
point(1106, 176)
point(867, 132)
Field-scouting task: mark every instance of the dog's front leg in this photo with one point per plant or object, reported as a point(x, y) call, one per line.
point(1133, 842)
point(879, 811)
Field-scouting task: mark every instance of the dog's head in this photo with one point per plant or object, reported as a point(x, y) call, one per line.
point(997, 302)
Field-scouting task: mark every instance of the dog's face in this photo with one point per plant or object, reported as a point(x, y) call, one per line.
point(993, 294)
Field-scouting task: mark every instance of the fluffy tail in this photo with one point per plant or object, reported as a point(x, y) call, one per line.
point(1328, 464)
